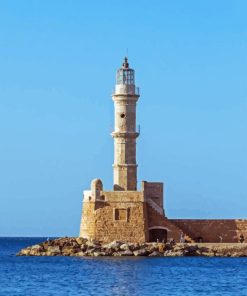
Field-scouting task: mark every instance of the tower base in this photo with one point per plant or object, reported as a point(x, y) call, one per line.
point(120, 215)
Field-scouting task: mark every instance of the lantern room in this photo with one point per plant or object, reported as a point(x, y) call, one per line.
point(125, 75)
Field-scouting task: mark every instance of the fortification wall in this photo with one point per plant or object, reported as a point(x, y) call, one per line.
point(211, 230)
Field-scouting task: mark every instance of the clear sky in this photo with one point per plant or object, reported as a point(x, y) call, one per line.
point(57, 71)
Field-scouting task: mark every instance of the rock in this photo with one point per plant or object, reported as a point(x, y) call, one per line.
point(122, 253)
point(96, 254)
point(141, 252)
point(54, 250)
point(113, 245)
point(91, 244)
point(161, 248)
point(152, 247)
point(96, 242)
point(167, 253)
point(37, 247)
point(108, 252)
point(170, 253)
point(144, 245)
point(208, 254)
point(33, 253)
point(124, 247)
point(132, 246)
point(90, 252)
point(168, 246)
point(126, 253)
point(68, 251)
point(80, 254)
point(83, 247)
point(192, 248)
point(135, 246)
point(178, 247)
point(204, 249)
point(24, 252)
point(155, 254)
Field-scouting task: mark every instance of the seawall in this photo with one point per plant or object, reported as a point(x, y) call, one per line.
point(84, 248)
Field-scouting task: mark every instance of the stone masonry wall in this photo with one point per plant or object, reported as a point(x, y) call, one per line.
point(211, 230)
point(120, 216)
point(156, 220)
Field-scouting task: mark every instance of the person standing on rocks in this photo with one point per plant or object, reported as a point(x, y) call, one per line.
point(182, 238)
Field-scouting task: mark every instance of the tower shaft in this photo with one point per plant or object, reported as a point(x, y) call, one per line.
point(125, 134)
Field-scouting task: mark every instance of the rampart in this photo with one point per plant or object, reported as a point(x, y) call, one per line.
point(207, 230)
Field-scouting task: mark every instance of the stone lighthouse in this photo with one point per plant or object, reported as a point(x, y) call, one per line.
point(125, 98)
point(125, 213)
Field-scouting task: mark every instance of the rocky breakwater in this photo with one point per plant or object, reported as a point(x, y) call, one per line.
point(84, 248)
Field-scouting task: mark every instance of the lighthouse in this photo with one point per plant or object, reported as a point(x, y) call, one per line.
point(125, 97)
point(125, 213)
point(129, 214)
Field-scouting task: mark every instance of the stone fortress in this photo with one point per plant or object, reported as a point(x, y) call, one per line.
point(132, 215)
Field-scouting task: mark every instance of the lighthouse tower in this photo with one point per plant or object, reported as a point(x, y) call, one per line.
point(125, 213)
point(125, 97)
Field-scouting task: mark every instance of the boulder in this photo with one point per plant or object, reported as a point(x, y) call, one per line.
point(162, 248)
point(208, 254)
point(192, 248)
point(155, 254)
point(24, 252)
point(152, 247)
point(91, 245)
point(37, 247)
point(141, 252)
point(83, 247)
point(125, 253)
point(55, 250)
point(124, 247)
point(113, 245)
point(68, 251)
point(97, 254)
point(90, 252)
point(80, 254)
point(170, 253)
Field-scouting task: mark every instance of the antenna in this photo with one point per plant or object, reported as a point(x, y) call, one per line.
point(127, 52)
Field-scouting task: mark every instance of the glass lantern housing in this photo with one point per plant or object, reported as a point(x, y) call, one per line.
point(125, 75)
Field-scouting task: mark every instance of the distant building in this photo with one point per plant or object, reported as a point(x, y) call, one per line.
point(133, 215)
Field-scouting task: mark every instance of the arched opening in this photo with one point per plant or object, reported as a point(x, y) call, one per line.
point(158, 234)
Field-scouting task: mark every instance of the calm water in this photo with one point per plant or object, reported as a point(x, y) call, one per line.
point(117, 276)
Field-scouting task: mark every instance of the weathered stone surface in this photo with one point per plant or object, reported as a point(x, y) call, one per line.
point(80, 240)
point(54, 249)
point(96, 254)
point(125, 247)
point(155, 254)
point(125, 253)
point(80, 254)
point(141, 252)
point(115, 245)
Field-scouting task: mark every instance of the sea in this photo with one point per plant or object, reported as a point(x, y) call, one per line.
point(193, 276)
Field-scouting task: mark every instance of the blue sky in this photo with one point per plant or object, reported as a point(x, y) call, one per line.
point(57, 71)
